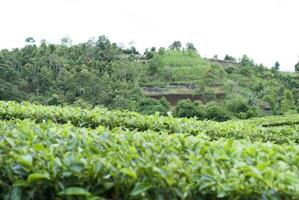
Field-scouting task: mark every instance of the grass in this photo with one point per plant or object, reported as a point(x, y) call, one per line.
point(181, 59)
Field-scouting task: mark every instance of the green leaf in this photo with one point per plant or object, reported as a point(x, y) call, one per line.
point(108, 185)
point(16, 193)
point(95, 198)
point(140, 188)
point(25, 160)
point(39, 147)
point(38, 177)
point(22, 183)
point(10, 141)
point(74, 191)
point(129, 172)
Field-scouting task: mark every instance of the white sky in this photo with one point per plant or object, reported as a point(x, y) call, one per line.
point(266, 30)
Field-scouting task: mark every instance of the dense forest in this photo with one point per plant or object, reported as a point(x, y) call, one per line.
point(172, 81)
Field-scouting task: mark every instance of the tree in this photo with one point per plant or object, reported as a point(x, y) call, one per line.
point(176, 45)
point(297, 67)
point(9, 80)
point(99, 72)
point(295, 93)
point(103, 43)
point(154, 64)
point(247, 62)
point(161, 51)
point(276, 66)
point(30, 40)
point(148, 54)
point(190, 47)
point(269, 99)
point(66, 41)
point(229, 58)
point(287, 102)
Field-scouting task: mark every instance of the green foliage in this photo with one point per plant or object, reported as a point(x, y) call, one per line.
point(295, 93)
point(149, 53)
point(93, 72)
point(154, 64)
point(253, 111)
point(287, 102)
point(237, 105)
point(276, 66)
point(187, 108)
point(82, 104)
point(297, 67)
point(247, 62)
point(229, 58)
point(9, 79)
point(240, 108)
point(216, 112)
point(182, 59)
point(161, 51)
point(176, 45)
point(99, 73)
point(30, 40)
point(164, 102)
point(270, 100)
point(190, 47)
point(137, 157)
point(54, 100)
point(249, 129)
point(150, 106)
point(105, 163)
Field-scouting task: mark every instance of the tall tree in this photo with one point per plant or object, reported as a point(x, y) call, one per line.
point(247, 62)
point(9, 79)
point(176, 45)
point(190, 47)
point(229, 58)
point(30, 40)
point(297, 67)
point(276, 66)
point(66, 41)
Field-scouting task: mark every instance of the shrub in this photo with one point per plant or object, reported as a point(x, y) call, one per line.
point(270, 100)
point(187, 108)
point(237, 105)
point(150, 106)
point(54, 100)
point(216, 112)
point(242, 115)
point(253, 111)
point(154, 64)
point(287, 102)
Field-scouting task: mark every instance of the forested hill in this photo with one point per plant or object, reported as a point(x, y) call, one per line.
point(99, 73)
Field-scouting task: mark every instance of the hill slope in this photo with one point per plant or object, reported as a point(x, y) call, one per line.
point(98, 73)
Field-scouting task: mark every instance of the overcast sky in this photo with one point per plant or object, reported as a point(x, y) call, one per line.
point(266, 30)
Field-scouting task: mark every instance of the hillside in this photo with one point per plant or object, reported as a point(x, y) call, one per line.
point(99, 73)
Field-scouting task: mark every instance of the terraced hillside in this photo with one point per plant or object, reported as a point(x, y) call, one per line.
point(53, 152)
point(101, 73)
